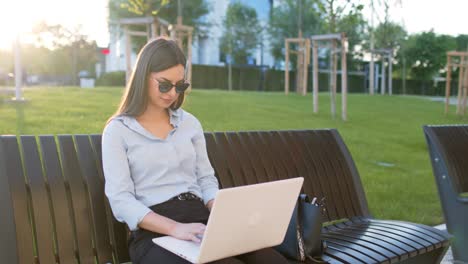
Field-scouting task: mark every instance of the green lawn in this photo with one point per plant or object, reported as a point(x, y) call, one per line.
point(383, 133)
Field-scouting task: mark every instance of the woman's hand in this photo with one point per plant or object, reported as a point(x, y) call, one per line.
point(209, 204)
point(191, 232)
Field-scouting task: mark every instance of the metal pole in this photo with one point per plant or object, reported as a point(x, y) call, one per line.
point(286, 67)
point(344, 81)
point(447, 83)
point(390, 80)
point(382, 77)
point(404, 75)
point(315, 75)
point(18, 71)
point(371, 64)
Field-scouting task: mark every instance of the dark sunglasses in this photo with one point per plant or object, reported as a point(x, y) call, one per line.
point(166, 86)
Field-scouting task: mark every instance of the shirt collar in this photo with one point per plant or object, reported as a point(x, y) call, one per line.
point(175, 117)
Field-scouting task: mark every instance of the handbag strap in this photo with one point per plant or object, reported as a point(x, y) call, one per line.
point(299, 227)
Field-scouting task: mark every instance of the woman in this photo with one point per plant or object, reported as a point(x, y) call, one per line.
point(159, 180)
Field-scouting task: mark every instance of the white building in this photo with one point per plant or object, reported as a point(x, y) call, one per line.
point(205, 49)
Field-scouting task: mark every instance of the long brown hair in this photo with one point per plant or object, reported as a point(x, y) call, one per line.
point(157, 55)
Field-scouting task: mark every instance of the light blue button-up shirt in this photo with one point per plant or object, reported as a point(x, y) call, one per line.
point(142, 170)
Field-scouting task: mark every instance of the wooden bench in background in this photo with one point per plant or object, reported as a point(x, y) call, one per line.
point(54, 209)
point(448, 148)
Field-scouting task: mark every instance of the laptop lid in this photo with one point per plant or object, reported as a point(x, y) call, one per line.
point(248, 218)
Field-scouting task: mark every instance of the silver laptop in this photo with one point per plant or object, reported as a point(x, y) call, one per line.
point(243, 219)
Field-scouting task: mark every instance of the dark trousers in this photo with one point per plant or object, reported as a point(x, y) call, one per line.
point(143, 251)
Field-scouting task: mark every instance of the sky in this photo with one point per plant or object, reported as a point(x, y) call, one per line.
point(18, 16)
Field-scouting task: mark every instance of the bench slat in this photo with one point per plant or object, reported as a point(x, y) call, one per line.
point(419, 232)
point(344, 257)
point(60, 200)
point(80, 203)
point(329, 191)
point(223, 150)
point(335, 157)
point(19, 199)
point(251, 175)
point(351, 174)
point(8, 241)
point(410, 239)
point(410, 248)
point(87, 159)
point(40, 200)
point(371, 249)
point(356, 250)
point(391, 248)
point(264, 155)
point(299, 155)
point(253, 156)
point(117, 231)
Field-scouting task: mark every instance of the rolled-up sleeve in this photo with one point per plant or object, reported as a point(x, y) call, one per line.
point(206, 178)
point(119, 186)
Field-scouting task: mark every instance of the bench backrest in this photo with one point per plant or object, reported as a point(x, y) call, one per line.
point(55, 204)
point(450, 144)
point(52, 192)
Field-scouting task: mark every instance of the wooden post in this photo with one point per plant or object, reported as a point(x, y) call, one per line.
point(305, 65)
point(128, 54)
point(390, 73)
point(18, 70)
point(382, 77)
point(299, 68)
point(154, 29)
point(460, 85)
point(447, 83)
point(315, 75)
point(465, 87)
point(344, 80)
point(189, 59)
point(162, 30)
point(333, 60)
point(286, 67)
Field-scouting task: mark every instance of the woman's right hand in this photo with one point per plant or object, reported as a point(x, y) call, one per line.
point(188, 231)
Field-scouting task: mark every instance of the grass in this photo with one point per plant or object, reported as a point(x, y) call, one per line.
point(383, 133)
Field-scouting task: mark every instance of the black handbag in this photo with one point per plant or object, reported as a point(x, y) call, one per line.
point(303, 237)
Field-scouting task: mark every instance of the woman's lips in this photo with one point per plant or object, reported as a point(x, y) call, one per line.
point(167, 100)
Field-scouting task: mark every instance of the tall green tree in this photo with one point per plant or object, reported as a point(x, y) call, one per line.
point(426, 53)
point(389, 35)
point(193, 13)
point(284, 23)
point(59, 51)
point(462, 42)
point(241, 33)
point(336, 10)
point(318, 17)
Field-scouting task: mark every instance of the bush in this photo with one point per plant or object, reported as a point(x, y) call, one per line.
point(112, 79)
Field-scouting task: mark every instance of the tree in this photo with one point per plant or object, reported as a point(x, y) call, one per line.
point(193, 13)
point(241, 32)
point(335, 10)
point(462, 42)
point(59, 51)
point(281, 24)
point(389, 35)
point(426, 53)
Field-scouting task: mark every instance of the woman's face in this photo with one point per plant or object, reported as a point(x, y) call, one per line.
point(164, 100)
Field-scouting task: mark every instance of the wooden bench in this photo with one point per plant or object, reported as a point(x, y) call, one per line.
point(54, 209)
point(448, 148)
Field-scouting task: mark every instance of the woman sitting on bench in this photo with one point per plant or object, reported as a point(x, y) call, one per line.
point(159, 180)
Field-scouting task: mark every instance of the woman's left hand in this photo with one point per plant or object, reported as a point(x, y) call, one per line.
point(209, 204)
